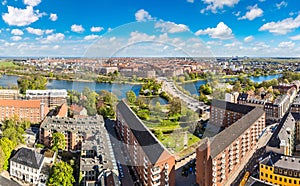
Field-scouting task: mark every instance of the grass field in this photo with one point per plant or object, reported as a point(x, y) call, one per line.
point(175, 141)
point(7, 64)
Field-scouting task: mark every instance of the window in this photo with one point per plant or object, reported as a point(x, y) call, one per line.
point(275, 177)
point(285, 180)
point(271, 177)
point(280, 179)
point(266, 175)
point(290, 181)
point(262, 174)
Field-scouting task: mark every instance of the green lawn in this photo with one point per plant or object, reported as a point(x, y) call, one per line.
point(7, 64)
point(174, 141)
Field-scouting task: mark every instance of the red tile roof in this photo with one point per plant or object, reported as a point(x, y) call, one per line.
point(21, 103)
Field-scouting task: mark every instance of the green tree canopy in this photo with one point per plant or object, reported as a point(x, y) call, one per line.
point(61, 175)
point(58, 141)
point(36, 82)
point(131, 97)
point(7, 147)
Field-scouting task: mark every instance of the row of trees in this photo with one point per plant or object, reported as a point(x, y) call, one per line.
point(150, 87)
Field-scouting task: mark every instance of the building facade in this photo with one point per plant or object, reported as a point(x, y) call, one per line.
point(153, 163)
point(217, 158)
point(31, 110)
point(9, 94)
point(280, 170)
point(51, 98)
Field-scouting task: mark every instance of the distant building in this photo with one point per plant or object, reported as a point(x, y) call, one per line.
point(27, 165)
point(277, 109)
point(9, 94)
point(76, 130)
point(51, 98)
point(217, 158)
point(31, 110)
point(153, 163)
point(78, 111)
point(232, 97)
point(280, 170)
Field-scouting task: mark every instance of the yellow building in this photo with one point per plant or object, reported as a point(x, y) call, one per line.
point(280, 170)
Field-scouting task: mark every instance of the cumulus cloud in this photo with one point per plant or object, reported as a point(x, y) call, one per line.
point(214, 5)
point(281, 4)
point(77, 28)
point(171, 27)
point(97, 29)
point(32, 2)
point(54, 38)
point(21, 17)
point(248, 39)
point(142, 15)
point(296, 37)
point(17, 32)
point(190, 1)
point(16, 38)
point(91, 37)
point(254, 12)
point(38, 32)
point(286, 44)
point(138, 37)
point(53, 17)
point(222, 31)
point(281, 27)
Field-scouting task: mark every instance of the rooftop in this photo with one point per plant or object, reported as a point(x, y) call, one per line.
point(281, 161)
point(28, 157)
point(149, 143)
point(20, 103)
point(243, 109)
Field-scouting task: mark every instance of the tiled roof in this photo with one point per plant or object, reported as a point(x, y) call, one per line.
point(20, 103)
point(243, 109)
point(28, 157)
point(149, 143)
point(5, 182)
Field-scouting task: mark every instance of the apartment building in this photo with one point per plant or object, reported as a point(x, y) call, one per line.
point(76, 130)
point(51, 98)
point(279, 169)
point(218, 157)
point(30, 110)
point(232, 97)
point(277, 109)
point(153, 163)
point(97, 162)
point(9, 94)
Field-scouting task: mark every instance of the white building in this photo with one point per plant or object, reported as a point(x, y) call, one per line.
point(28, 165)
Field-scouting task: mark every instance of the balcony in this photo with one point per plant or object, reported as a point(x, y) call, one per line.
point(223, 161)
point(214, 168)
point(214, 162)
point(155, 170)
point(146, 171)
point(156, 183)
point(155, 178)
point(166, 178)
point(223, 171)
point(214, 174)
point(166, 166)
point(214, 180)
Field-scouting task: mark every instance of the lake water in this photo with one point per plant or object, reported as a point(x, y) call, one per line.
point(118, 89)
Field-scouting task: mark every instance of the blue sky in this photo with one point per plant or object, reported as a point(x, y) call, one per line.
point(219, 27)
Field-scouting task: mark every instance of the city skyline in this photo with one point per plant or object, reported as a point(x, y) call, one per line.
point(225, 28)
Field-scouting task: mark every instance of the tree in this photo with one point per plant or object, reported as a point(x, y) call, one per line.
point(131, 97)
point(58, 141)
point(7, 147)
point(2, 159)
point(206, 89)
point(36, 82)
point(61, 175)
point(175, 107)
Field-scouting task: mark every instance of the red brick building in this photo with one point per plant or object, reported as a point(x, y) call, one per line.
point(31, 110)
point(154, 165)
point(217, 158)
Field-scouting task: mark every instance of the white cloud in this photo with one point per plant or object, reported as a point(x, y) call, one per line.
point(97, 29)
point(54, 38)
point(49, 31)
point(16, 38)
point(171, 27)
point(237, 13)
point(4, 2)
point(142, 15)
point(254, 12)
point(140, 37)
point(281, 4)
point(17, 32)
point(56, 47)
point(53, 17)
point(91, 37)
point(296, 37)
point(32, 2)
point(248, 39)
point(281, 27)
point(286, 44)
point(77, 28)
point(38, 32)
point(222, 31)
point(21, 17)
point(190, 1)
point(214, 5)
